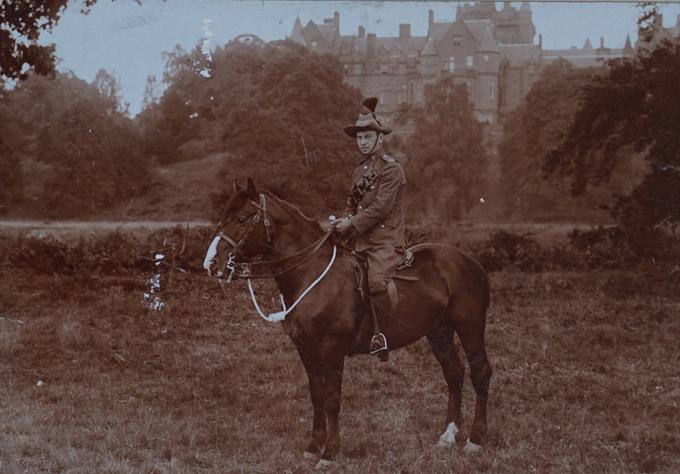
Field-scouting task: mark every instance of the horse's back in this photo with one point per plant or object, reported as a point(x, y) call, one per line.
point(464, 277)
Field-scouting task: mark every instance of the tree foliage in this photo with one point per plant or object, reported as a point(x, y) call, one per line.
point(21, 23)
point(534, 128)
point(635, 103)
point(276, 110)
point(11, 143)
point(83, 152)
point(446, 154)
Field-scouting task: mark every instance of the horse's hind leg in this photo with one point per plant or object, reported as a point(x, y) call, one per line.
point(441, 342)
point(471, 333)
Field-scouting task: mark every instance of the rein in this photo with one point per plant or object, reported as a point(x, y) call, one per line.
point(281, 315)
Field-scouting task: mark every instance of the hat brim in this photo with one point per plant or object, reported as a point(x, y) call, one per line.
point(352, 130)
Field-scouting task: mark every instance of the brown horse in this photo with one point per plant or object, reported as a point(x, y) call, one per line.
point(261, 235)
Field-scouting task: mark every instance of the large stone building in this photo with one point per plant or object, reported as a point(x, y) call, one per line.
point(494, 52)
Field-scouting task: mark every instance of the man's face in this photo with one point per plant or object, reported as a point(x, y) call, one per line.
point(366, 141)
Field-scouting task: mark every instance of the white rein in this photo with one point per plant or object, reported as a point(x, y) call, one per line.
point(281, 315)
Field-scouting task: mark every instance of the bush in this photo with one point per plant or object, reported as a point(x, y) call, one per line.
point(115, 253)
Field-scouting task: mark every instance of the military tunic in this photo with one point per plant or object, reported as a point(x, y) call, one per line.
point(375, 204)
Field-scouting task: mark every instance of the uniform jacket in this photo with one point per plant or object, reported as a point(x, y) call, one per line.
point(375, 203)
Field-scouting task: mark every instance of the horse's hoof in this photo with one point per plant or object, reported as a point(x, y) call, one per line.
point(324, 464)
point(310, 455)
point(471, 447)
point(448, 438)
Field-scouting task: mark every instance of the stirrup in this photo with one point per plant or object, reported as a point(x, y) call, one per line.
point(379, 346)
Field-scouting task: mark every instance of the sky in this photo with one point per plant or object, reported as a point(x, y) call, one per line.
point(127, 39)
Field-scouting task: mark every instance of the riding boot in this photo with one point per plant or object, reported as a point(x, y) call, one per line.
point(378, 345)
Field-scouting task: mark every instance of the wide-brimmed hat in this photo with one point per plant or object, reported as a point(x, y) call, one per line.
point(368, 120)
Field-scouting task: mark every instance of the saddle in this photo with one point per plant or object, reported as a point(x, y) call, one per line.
point(360, 266)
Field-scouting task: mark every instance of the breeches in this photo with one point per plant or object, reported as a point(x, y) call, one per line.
point(382, 265)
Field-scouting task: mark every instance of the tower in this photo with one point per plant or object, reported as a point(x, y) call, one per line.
point(487, 59)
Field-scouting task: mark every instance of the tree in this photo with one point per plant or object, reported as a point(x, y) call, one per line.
point(635, 103)
point(276, 110)
point(530, 131)
point(447, 158)
point(82, 153)
point(21, 23)
point(12, 142)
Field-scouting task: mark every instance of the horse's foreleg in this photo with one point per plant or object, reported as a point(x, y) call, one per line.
point(445, 352)
point(472, 338)
point(316, 391)
point(332, 397)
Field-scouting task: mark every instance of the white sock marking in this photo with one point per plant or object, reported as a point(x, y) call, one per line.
point(448, 437)
point(471, 447)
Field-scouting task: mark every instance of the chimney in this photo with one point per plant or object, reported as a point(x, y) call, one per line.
point(540, 40)
point(430, 19)
point(601, 42)
point(362, 31)
point(404, 30)
point(336, 20)
point(371, 45)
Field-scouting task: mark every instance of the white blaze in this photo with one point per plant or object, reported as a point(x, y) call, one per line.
point(212, 251)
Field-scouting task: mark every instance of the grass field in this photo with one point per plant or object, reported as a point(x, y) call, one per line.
point(585, 380)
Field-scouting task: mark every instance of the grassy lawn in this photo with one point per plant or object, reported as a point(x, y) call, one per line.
point(585, 380)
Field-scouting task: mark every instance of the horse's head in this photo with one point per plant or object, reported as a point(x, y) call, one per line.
point(243, 234)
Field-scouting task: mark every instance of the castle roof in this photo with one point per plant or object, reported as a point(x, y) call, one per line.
point(478, 28)
point(385, 46)
point(628, 48)
point(580, 57)
point(296, 34)
point(488, 44)
point(429, 49)
point(437, 30)
point(328, 31)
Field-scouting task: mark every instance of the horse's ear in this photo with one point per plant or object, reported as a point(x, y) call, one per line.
point(236, 186)
point(252, 191)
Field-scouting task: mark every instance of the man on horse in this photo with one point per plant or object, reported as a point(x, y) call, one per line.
point(374, 215)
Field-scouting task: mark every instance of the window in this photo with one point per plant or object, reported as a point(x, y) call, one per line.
point(450, 64)
point(469, 61)
point(402, 94)
point(492, 92)
point(313, 44)
point(457, 40)
point(486, 58)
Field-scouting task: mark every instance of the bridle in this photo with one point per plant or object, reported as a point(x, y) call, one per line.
point(245, 269)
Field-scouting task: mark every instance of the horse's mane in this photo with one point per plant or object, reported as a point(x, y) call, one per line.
point(290, 207)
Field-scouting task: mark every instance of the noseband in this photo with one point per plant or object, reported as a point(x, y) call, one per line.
point(260, 216)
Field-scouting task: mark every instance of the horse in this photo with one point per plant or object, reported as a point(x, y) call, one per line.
point(262, 235)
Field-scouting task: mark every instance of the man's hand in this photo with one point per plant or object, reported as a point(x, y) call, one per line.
point(342, 226)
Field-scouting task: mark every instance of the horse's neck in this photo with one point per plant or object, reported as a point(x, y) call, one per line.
point(297, 234)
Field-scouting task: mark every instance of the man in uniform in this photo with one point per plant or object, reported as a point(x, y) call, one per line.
point(374, 214)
